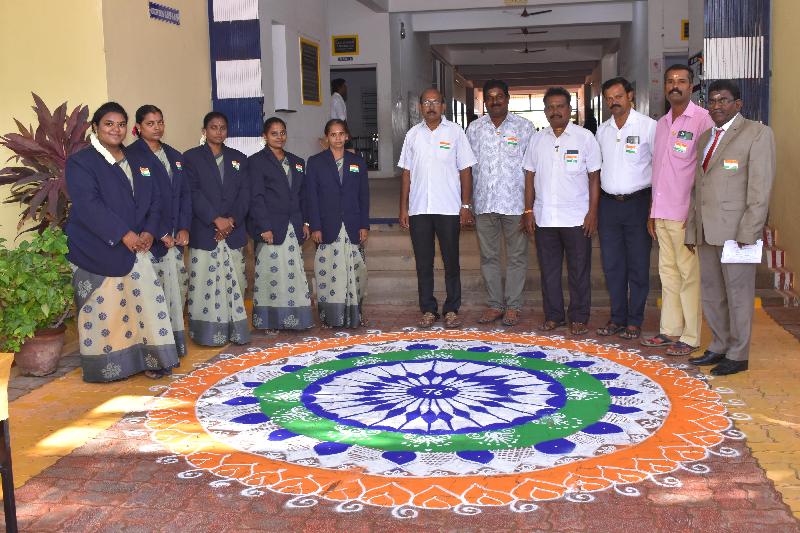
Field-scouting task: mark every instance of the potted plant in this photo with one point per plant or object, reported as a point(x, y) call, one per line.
point(35, 298)
point(38, 183)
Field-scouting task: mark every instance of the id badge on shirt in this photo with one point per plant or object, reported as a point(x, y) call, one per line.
point(571, 157)
point(512, 141)
point(680, 146)
point(632, 144)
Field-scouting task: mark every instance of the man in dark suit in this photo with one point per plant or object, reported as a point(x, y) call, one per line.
point(729, 203)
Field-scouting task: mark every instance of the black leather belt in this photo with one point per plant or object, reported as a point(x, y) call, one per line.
point(625, 197)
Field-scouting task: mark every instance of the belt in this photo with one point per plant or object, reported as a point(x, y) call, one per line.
point(626, 197)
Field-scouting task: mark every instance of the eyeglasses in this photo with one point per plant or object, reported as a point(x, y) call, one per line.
point(720, 101)
point(431, 103)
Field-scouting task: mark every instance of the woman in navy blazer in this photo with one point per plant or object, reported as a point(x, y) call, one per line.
point(122, 314)
point(281, 297)
point(337, 193)
point(166, 167)
point(220, 202)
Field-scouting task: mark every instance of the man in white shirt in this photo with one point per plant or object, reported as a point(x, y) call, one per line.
point(626, 141)
point(338, 96)
point(563, 168)
point(435, 202)
point(499, 140)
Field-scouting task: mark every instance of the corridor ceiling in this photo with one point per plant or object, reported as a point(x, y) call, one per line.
point(482, 38)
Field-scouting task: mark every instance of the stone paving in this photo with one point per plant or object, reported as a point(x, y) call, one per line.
point(109, 478)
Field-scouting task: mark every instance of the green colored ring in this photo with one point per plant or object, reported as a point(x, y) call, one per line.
point(291, 414)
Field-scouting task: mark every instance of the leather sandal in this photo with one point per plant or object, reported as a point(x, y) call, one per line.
point(550, 325)
point(680, 348)
point(490, 315)
point(578, 328)
point(611, 328)
point(631, 332)
point(451, 320)
point(427, 320)
point(511, 318)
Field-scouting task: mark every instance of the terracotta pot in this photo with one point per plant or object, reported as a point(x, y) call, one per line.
point(40, 354)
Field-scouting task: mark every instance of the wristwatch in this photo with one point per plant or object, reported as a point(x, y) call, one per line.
point(466, 206)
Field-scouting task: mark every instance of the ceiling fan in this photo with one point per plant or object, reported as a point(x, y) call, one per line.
point(526, 51)
point(526, 31)
point(525, 13)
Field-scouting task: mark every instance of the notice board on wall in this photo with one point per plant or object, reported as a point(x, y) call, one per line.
point(309, 72)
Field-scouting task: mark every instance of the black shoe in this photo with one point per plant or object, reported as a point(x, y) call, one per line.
point(708, 358)
point(728, 366)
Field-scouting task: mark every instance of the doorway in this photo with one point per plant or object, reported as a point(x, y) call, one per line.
point(362, 110)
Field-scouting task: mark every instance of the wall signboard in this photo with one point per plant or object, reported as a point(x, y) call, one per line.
point(164, 13)
point(309, 72)
point(344, 45)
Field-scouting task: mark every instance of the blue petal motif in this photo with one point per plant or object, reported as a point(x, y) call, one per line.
point(281, 434)
point(399, 458)
point(350, 355)
point(331, 448)
point(291, 368)
point(579, 364)
point(555, 447)
point(602, 428)
point(241, 400)
point(623, 409)
point(533, 355)
point(621, 391)
point(252, 384)
point(605, 377)
point(251, 418)
point(480, 349)
point(420, 346)
point(481, 456)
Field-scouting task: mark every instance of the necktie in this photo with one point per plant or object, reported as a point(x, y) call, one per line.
point(711, 150)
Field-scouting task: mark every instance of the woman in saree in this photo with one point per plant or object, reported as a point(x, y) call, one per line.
point(220, 200)
point(281, 297)
point(337, 193)
point(166, 168)
point(123, 319)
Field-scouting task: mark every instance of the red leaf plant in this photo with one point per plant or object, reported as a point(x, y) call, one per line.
point(38, 183)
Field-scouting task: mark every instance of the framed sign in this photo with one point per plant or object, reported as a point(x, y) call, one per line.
point(344, 45)
point(309, 72)
point(684, 29)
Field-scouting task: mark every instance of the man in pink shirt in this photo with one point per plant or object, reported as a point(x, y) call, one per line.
point(674, 161)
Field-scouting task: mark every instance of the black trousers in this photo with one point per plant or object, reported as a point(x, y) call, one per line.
point(625, 249)
point(446, 228)
point(552, 244)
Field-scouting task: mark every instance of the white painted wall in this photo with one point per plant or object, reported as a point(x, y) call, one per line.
point(348, 17)
point(307, 19)
point(411, 62)
point(696, 23)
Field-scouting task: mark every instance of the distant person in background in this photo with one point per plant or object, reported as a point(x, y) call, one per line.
point(338, 99)
point(220, 202)
point(503, 214)
point(337, 195)
point(123, 324)
point(279, 226)
point(166, 167)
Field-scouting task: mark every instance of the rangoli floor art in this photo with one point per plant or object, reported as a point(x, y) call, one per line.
point(439, 420)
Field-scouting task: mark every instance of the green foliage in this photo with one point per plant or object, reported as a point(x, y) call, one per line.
point(35, 287)
point(39, 184)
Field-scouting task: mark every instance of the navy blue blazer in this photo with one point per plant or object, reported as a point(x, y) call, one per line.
point(212, 197)
point(331, 203)
point(104, 209)
point(273, 204)
point(176, 199)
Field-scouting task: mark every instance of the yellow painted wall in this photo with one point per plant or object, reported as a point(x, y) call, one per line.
point(54, 49)
point(785, 115)
point(153, 62)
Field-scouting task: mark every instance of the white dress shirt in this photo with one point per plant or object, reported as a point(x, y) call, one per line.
point(435, 159)
point(338, 107)
point(714, 130)
point(561, 181)
point(498, 180)
point(627, 153)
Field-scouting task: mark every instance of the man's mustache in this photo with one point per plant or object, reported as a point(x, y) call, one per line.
point(676, 91)
point(615, 105)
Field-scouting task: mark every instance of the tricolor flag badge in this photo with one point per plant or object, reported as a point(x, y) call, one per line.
point(680, 146)
point(354, 168)
point(144, 171)
point(571, 156)
point(512, 141)
point(444, 145)
point(178, 165)
point(298, 167)
point(235, 164)
point(630, 148)
point(730, 164)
